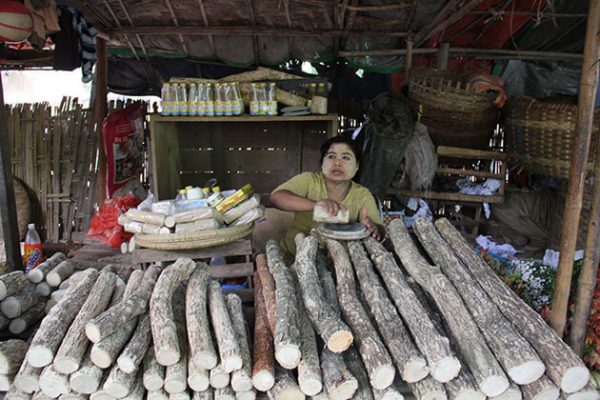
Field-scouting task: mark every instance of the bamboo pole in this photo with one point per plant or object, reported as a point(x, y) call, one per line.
point(248, 31)
point(587, 277)
point(585, 109)
point(101, 83)
point(490, 54)
point(442, 57)
point(8, 211)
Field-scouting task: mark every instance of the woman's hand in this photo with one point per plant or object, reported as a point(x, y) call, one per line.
point(331, 206)
point(372, 228)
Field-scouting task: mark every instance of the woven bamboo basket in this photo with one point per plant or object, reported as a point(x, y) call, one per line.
point(455, 115)
point(194, 240)
point(540, 135)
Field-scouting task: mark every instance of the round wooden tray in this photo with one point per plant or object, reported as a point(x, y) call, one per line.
point(195, 240)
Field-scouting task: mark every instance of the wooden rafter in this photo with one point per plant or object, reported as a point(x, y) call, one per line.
point(118, 23)
point(383, 7)
point(254, 38)
point(205, 20)
point(130, 20)
point(448, 7)
point(288, 17)
point(249, 31)
point(541, 14)
point(481, 17)
point(176, 23)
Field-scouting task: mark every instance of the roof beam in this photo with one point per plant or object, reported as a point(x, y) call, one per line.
point(383, 7)
point(176, 23)
point(205, 20)
point(456, 16)
point(247, 30)
point(118, 23)
point(139, 39)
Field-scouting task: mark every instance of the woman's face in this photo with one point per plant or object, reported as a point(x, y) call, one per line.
point(339, 163)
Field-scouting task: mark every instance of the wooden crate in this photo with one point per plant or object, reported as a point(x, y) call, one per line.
point(262, 151)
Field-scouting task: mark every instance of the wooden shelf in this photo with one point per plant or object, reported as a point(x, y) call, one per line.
point(245, 118)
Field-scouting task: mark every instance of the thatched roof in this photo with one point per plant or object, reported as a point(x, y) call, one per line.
point(268, 32)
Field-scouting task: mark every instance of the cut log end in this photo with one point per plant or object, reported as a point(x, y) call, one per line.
point(495, 385)
point(415, 370)
point(241, 383)
point(169, 357)
point(11, 307)
point(248, 395)
point(588, 394)
point(471, 394)
point(288, 356)
point(527, 372)
point(93, 333)
point(17, 326)
point(174, 386)
point(574, 379)
point(554, 393)
point(446, 369)
point(311, 387)
point(101, 395)
point(383, 377)
point(66, 365)
point(345, 390)
point(219, 380)
point(263, 381)
point(340, 341)
point(232, 364)
point(153, 383)
point(206, 359)
point(512, 393)
point(127, 365)
point(101, 358)
point(39, 356)
point(198, 383)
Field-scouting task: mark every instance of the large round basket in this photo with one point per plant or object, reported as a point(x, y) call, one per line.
point(195, 240)
point(454, 113)
point(540, 135)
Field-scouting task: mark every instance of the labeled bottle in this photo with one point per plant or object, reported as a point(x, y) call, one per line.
point(322, 90)
point(219, 103)
point(262, 99)
point(272, 99)
point(201, 99)
point(254, 108)
point(166, 96)
point(33, 248)
point(182, 99)
point(193, 99)
point(210, 104)
point(180, 195)
point(239, 108)
point(227, 99)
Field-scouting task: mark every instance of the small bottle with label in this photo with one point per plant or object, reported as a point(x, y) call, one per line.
point(182, 99)
point(262, 99)
point(33, 248)
point(239, 110)
point(254, 107)
point(272, 99)
point(210, 104)
point(165, 96)
point(201, 99)
point(193, 99)
point(227, 99)
point(219, 104)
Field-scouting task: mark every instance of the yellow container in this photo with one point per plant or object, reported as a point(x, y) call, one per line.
point(240, 195)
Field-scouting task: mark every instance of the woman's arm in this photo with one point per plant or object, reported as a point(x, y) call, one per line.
point(287, 201)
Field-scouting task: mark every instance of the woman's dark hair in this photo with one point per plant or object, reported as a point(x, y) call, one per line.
point(340, 139)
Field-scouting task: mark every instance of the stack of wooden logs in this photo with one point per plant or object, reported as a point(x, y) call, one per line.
point(452, 330)
point(149, 338)
point(25, 298)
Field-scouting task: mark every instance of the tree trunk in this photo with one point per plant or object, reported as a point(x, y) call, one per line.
point(39, 395)
point(287, 335)
point(14, 394)
point(374, 354)
point(87, 379)
point(357, 368)
point(138, 390)
point(488, 374)
point(247, 395)
point(164, 328)
point(542, 389)
point(198, 377)
point(241, 379)
point(105, 352)
point(74, 344)
point(16, 304)
point(229, 348)
point(587, 393)
point(428, 389)
point(219, 378)
point(12, 283)
point(132, 355)
point(59, 273)
point(513, 352)
point(286, 387)
point(463, 387)
point(338, 381)
point(27, 378)
point(154, 373)
point(101, 395)
point(334, 332)
point(54, 326)
point(225, 393)
point(563, 367)
point(408, 359)
point(118, 383)
point(28, 319)
point(327, 281)
point(309, 369)
point(512, 393)
point(53, 383)
point(4, 322)
point(38, 274)
point(263, 371)
point(202, 347)
point(203, 395)
point(115, 317)
point(268, 284)
point(158, 394)
point(443, 365)
point(12, 354)
point(392, 392)
point(176, 376)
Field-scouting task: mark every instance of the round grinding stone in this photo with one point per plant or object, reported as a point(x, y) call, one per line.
point(350, 231)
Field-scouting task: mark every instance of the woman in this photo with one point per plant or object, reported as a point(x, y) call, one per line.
point(332, 188)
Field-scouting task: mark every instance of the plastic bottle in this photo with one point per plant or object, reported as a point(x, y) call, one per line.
point(262, 99)
point(173, 99)
point(182, 99)
point(202, 99)
point(33, 248)
point(219, 101)
point(254, 108)
point(166, 99)
point(180, 195)
point(239, 101)
point(272, 99)
point(227, 99)
point(210, 105)
point(193, 99)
